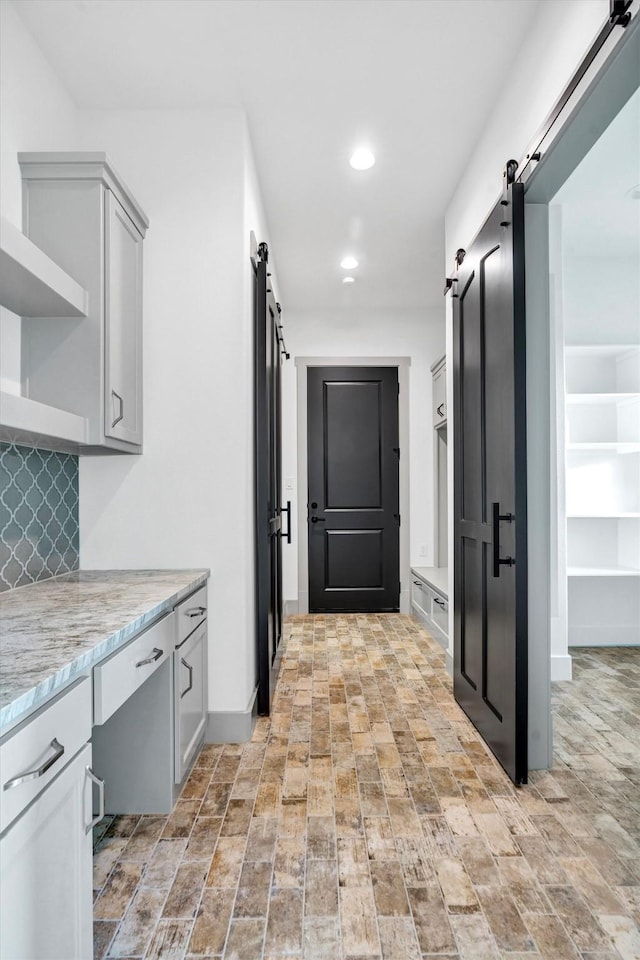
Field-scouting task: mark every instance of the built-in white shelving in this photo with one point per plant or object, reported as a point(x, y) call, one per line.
point(599, 398)
point(26, 421)
point(603, 516)
point(31, 284)
point(615, 446)
point(602, 430)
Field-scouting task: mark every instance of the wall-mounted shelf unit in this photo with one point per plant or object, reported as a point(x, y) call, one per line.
point(602, 408)
point(34, 424)
point(31, 283)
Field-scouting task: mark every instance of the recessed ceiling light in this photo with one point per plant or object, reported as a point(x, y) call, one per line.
point(348, 279)
point(362, 159)
point(348, 263)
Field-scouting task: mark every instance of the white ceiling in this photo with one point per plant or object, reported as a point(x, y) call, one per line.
point(415, 79)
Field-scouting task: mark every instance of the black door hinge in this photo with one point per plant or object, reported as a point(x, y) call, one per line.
point(618, 14)
point(396, 450)
point(263, 252)
point(397, 516)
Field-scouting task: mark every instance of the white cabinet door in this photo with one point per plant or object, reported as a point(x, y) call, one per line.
point(439, 397)
point(190, 698)
point(45, 857)
point(123, 327)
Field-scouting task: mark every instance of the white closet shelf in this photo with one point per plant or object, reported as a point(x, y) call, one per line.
point(603, 572)
point(573, 398)
point(602, 516)
point(600, 349)
point(26, 421)
point(33, 285)
point(621, 446)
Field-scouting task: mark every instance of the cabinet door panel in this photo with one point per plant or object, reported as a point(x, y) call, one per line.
point(190, 698)
point(123, 311)
point(439, 398)
point(46, 892)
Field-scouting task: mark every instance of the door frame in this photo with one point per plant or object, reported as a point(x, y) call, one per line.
point(587, 109)
point(402, 364)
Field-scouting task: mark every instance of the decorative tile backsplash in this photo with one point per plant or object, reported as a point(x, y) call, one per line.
point(39, 526)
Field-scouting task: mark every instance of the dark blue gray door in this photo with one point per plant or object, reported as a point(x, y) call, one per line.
point(353, 491)
point(490, 486)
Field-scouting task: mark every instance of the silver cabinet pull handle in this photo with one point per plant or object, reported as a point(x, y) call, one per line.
point(190, 669)
point(195, 611)
point(116, 396)
point(39, 771)
point(155, 655)
point(100, 785)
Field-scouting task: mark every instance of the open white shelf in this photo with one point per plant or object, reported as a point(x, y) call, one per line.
point(603, 516)
point(614, 446)
point(26, 421)
point(604, 350)
point(31, 284)
point(598, 398)
point(603, 572)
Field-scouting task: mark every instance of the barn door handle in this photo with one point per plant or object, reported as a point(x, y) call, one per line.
point(499, 561)
point(287, 510)
point(317, 520)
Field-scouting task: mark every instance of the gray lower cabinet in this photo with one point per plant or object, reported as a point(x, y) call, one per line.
point(190, 699)
point(429, 602)
point(79, 212)
point(190, 680)
point(46, 832)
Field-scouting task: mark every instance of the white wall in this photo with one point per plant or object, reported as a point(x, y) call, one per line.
point(419, 336)
point(36, 113)
point(560, 35)
point(188, 501)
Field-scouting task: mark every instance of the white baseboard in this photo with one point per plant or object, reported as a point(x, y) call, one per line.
point(588, 636)
point(560, 667)
point(290, 608)
point(232, 726)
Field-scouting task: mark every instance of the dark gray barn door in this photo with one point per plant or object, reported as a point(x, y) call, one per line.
point(353, 492)
point(268, 480)
point(490, 549)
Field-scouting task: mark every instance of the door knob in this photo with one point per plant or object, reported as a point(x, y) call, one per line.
point(317, 520)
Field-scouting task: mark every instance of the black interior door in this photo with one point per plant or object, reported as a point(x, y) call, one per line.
point(268, 480)
point(490, 548)
point(353, 491)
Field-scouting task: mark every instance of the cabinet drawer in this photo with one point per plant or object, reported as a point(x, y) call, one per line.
point(440, 612)
point(420, 595)
point(42, 747)
point(117, 678)
point(190, 614)
point(439, 398)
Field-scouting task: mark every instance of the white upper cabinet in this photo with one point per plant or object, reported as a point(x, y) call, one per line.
point(79, 212)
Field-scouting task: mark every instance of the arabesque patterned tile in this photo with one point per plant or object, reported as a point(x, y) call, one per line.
point(366, 819)
point(39, 525)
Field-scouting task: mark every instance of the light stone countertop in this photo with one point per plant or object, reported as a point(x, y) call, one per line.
point(56, 630)
point(436, 577)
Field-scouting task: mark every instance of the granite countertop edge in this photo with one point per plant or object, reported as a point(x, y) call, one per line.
point(25, 703)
